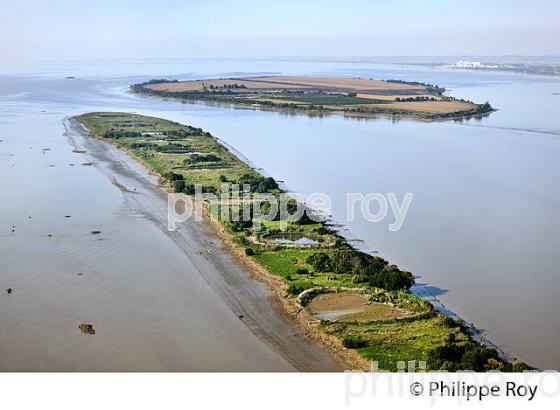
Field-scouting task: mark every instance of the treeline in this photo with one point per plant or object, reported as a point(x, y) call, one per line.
point(227, 86)
point(469, 356)
point(365, 268)
point(179, 185)
point(207, 94)
point(159, 81)
point(180, 134)
point(196, 158)
point(122, 134)
point(430, 88)
point(480, 109)
point(412, 99)
point(258, 183)
point(170, 148)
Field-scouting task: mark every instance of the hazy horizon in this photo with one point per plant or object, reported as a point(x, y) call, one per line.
point(172, 29)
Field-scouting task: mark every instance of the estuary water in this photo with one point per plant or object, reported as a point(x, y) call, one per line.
point(481, 234)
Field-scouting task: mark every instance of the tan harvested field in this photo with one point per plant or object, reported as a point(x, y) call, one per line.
point(386, 97)
point(364, 311)
point(199, 85)
point(281, 83)
point(357, 84)
point(432, 107)
point(356, 96)
point(374, 312)
point(337, 301)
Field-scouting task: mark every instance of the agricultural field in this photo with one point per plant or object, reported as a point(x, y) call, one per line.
point(352, 96)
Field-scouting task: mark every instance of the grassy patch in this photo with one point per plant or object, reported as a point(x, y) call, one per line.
point(167, 146)
point(399, 340)
point(329, 100)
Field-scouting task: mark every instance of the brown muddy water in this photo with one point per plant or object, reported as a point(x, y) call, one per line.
point(158, 301)
point(481, 234)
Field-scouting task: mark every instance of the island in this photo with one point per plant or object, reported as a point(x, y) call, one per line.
point(350, 96)
point(357, 304)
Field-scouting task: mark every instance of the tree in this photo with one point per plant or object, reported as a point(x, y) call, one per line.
point(320, 261)
point(178, 185)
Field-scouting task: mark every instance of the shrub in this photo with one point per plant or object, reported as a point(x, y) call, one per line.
point(353, 342)
point(320, 261)
point(172, 176)
point(359, 279)
point(467, 356)
point(195, 158)
point(178, 185)
point(299, 286)
point(258, 183)
point(302, 271)
point(322, 230)
point(249, 251)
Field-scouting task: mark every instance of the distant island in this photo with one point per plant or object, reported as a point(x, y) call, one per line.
point(351, 96)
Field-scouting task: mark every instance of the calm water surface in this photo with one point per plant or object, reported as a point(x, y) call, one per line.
point(482, 230)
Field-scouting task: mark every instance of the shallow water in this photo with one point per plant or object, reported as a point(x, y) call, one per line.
point(157, 301)
point(299, 241)
point(481, 233)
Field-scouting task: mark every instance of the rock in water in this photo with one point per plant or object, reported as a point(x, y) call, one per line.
point(87, 328)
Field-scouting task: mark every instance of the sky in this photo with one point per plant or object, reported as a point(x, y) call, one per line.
point(63, 29)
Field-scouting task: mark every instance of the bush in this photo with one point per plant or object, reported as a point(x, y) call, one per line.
point(178, 185)
point(249, 251)
point(320, 261)
point(258, 183)
point(353, 342)
point(365, 268)
point(468, 356)
point(302, 271)
point(172, 176)
point(195, 158)
point(392, 278)
point(299, 286)
point(322, 230)
point(359, 279)
point(238, 226)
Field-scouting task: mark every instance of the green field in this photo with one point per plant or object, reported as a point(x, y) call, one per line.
point(171, 152)
point(328, 99)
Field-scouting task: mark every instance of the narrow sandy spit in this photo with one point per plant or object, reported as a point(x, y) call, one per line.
point(250, 300)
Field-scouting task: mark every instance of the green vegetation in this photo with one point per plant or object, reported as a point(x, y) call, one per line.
point(453, 356)
point(328, 99)
point(185, 156)
point(430, 88)
point(177, 152)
